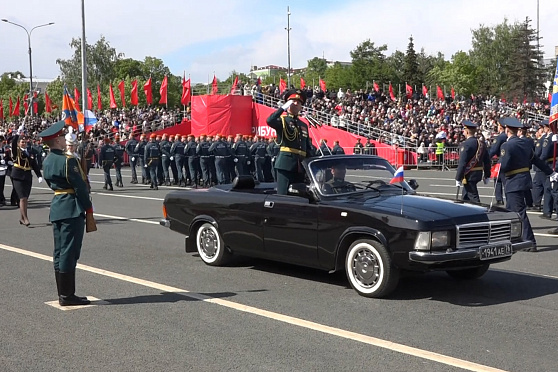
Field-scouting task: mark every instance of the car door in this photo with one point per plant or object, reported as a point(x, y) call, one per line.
point(290, 229)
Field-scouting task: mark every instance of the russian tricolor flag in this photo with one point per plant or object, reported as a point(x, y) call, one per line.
point(398, 176)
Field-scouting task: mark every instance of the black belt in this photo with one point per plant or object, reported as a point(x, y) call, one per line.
point(205, 157)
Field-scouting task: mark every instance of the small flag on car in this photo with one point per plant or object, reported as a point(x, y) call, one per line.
point(398, 176)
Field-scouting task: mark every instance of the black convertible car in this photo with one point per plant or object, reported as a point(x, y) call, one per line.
point(347, 216)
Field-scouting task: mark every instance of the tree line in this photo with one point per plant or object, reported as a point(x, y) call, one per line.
point(504, 61)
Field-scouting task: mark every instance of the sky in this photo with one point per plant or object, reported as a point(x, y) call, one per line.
point(200, 38)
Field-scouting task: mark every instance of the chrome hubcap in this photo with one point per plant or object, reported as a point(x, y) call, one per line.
point(366, 268)
point(209, 243)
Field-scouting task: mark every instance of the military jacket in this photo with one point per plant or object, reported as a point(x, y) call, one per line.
point(473, 161)
point(294, 139)
point(178, 148)
point(203, 149)
point(119, 153)
point(131, 147)
point(258, 149)
point(152, 153)
point(63, 172)
point(107, 154)
point(165, 147)
point(239, 148)
point(219, 148)
point(24, 161)
point(191, 148)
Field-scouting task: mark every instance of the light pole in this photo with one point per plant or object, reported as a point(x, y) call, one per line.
point(288, 28)
point(30, 63)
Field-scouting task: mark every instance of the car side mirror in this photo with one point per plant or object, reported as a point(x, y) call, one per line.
point(414, 184)
point(299, 189)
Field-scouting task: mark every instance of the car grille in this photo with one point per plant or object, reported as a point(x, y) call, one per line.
point(477, 234)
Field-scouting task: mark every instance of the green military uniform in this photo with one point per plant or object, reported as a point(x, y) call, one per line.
point(295, 145)
point(65, 177)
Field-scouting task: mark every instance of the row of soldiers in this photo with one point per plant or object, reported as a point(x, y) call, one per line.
point(200, 161)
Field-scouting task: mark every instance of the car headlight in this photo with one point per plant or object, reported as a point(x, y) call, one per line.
point(423, 241)
point(516, 229)
point(440, 239)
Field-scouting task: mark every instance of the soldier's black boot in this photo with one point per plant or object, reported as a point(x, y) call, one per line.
point(57, 277)
point(105, 186)
point(67, 290)
point(167, 182)
point(110, 187)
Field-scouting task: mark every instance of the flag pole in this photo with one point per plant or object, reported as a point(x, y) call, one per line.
point(183, 106)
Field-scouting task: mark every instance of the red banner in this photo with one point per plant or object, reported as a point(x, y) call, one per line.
point(76, 99)
point(424, 90)
point(134, 95)
point(282, 85)
point(163, 91)
point(186, 92)
point(89, 100)
point(121, 88)
point(99, 103)
point(233, 88)
point(1, 109)
point(322, 85)
point(224, 114)
point(392, 96)
point(376, 86)
point(48, 103)
point(111, 96)
point(452, 93)
point(302, 83)
point(439, 92)
point(15, 112)
point(409, 90)
point(148, 92)
point(214, 87)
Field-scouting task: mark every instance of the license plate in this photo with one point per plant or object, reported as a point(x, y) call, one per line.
point(489, 252)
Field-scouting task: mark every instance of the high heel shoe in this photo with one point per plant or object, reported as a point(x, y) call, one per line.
point(23, 223)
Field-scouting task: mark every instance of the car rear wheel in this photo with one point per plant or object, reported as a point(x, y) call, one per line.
point(211, 247)
point(370, 269)
point(469, 274)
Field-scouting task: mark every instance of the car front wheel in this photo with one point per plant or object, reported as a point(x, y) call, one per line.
point(469, 274)
point(211, 247)
point(370, 269)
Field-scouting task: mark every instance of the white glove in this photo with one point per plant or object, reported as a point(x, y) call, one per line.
point(486, 181)
point(21, 129)
point(555, 138)
point(172, 158)
point(248, 162)
point(145, 166)
point(235, 160)
point(41, 179)
point(2, 161)
point(133, 158)
point(458, 183)
point(554, 177)
point(287, 104)
point(43, 154)
point(10, 162)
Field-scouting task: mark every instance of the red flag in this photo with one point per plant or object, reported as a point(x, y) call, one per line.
point(549, 97)
point(214, 86)
point(282, 85)
point(439, 92)
point(134, 95)
point(11, 107)
point(376, 86)
point(111, 96)
point(409, 90)
point(15, 112)
point(99, 103)
point(26, 103)
point(495, 170)
point(391, 92)
point(48, 103)
point(302, 83)
point(259, 81)
point(148, 92)
point(186, 92)
point(89, 100)
point(424, 90)
point(1, 110)
point(35, 103)
point(163, 90)
point(452, 93)
point(122, 90)
point(322, 85)
point(76, 99)
point(235, 83)
point(525, 100)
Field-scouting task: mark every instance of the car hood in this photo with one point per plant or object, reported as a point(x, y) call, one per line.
point(418, 207)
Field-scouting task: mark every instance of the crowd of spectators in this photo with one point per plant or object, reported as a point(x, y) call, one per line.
point(122, 121)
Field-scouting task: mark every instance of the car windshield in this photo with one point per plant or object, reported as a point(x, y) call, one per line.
point(353, 174)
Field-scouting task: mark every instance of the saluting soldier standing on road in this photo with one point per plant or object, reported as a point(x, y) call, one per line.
point(69, 205)
point(294, 139)
point(516, 157)
point(473, 163)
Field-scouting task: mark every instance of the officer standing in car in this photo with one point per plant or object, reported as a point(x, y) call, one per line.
point(474, 163)
point(516, 158)
point(294, 139)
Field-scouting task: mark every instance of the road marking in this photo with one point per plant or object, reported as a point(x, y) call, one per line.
point(126, 196)
point(126, 218)
point(353, 336)
point(94, 302)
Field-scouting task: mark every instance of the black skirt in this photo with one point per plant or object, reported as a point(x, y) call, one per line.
point(22, 188)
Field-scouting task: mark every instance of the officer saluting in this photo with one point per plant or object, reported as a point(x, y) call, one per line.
point(294, 139)
point(516, 157)
point(68, 208)
point(473, 164)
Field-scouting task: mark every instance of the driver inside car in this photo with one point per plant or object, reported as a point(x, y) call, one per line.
point(337, 184)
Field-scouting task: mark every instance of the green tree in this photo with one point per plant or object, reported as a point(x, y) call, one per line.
point(368, 64)
point(316, 69)
point(338, 76)
point(410, 66)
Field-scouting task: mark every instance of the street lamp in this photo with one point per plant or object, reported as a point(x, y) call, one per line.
point(288, 28)
point(30, 64)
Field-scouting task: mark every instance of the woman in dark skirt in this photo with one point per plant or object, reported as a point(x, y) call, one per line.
point(22, 179)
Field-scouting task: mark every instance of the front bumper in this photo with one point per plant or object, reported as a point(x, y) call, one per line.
point(468, 254)
point(164, 222)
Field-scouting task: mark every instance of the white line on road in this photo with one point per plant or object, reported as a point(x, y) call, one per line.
point(369, 340)
point(126, 219)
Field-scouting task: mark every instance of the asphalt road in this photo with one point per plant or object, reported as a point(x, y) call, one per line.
point(161, 309)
